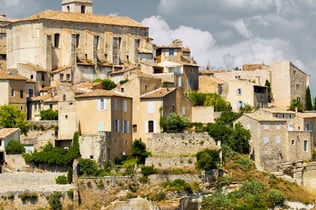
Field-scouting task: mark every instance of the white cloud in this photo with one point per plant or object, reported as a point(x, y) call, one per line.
point(206, 51)
point(19, 8)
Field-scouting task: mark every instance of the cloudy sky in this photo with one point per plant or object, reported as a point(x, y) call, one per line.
point(220, 33)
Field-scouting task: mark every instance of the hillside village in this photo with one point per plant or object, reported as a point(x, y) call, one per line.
point(59, 60)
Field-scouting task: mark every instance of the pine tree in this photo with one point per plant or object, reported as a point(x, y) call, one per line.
point(308, 105)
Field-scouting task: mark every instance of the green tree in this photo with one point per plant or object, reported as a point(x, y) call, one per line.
point(174, 123)
point(15, 147)
point(268, 85)
point(107, 84)
point(209, 99)
point(12, 117)
point(139, 151)
point(239, 140)
point(49, 114)
point(308, 105)
point(87, 167)
point(207, 159)
point(296, 104)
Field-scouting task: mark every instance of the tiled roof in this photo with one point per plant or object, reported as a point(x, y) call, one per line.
point(45, 98)
point(86, 87)
point(100, 93)
point(84, 18)
point(261, 117)
point(8, 76)
point(61, 69)
point(158, 93)
point(4, 132)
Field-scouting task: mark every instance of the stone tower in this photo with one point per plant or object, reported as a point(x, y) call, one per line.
point(79, 6)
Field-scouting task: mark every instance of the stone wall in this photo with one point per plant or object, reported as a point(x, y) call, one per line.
point(179, 144)
point(171, 162)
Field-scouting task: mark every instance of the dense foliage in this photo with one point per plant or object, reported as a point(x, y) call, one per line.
point(308, 105)
point(54, 155)
point(139, 151)
point(234, 136)
point(207, 159)
point(251, 195)
point(87, 167)
point(296, 104)
point(209, 99)
point(49, 114)
point(174, 123)
point(268, 85)
point(107, 84)
point(12, 117)
point(15, 147)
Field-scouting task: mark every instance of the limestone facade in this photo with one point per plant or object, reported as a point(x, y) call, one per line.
point(275, 138)
point(105, 115)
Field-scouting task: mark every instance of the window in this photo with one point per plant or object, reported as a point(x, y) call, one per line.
point(266, 139)
point(76, 38)
point(0, 143)
point(115, 101)
point(124, 105)
point(31, 76)
point(183, 110)
point(64, 97)
point(102, 104)
point(239, 91)
point(68, 77)
point(21, 93)
point(293, 142)
point(68, 8)
point(125, 126)
point(56, 40)
point(50, 106)
point(134, 128)
point(305, 146)
point(83, 9)
point(278, 127)
point(116, 125)
point(43, 76)
point(171, 52)
point(61, 77)
point(266, 126)
point(290, 127)
point(309, 127)
point(150, 108)
point(278, 139)
point(150, 126)
point(12, 92)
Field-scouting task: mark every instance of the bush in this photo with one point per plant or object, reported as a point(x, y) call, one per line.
point(61, 180)
point(139, 151)
point(49, 114)
point(245, 163)
point(217, 201)
point(207, 159)
point(54, 201)
point(275, 198)
point(107, 84)
point(87, 167)
point(177, 185)
point(28, 197)
point(15, 147)
point(70, 194)
point(174, 123)
point(148, 170)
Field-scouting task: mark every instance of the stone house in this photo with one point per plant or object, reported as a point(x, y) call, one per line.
point(44, 102)
point(92, 45)
point(175, 61)
point(274, 139)
point(13, 88)
point(104, 124)
point(138, 84)
point(7, 135)
point(160, 103)
point(240, 93)
point(287, 81)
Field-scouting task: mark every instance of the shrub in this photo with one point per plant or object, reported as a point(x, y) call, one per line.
point(87, 167)
point(28, 197)
point(245, 163)
point(217, 201)
point(275, 198)
point(107, 84)
point(54, 201)
point(207, 159)
point(15, 147)
point(174, 123)
point(49, 114)
point(70, 194)
point(159, 196)
point(139, 151)
point(148, 170)
point(61, 180)
point(177, 185)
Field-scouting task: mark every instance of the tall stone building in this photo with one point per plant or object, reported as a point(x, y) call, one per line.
point(90, 45)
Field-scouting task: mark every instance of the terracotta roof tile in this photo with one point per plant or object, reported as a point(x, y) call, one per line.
point(84, 18)
point(101, 93)
point(158, 93)
point(9, 76)
point(4, 132)
point(32, 67)
point(61, 69)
